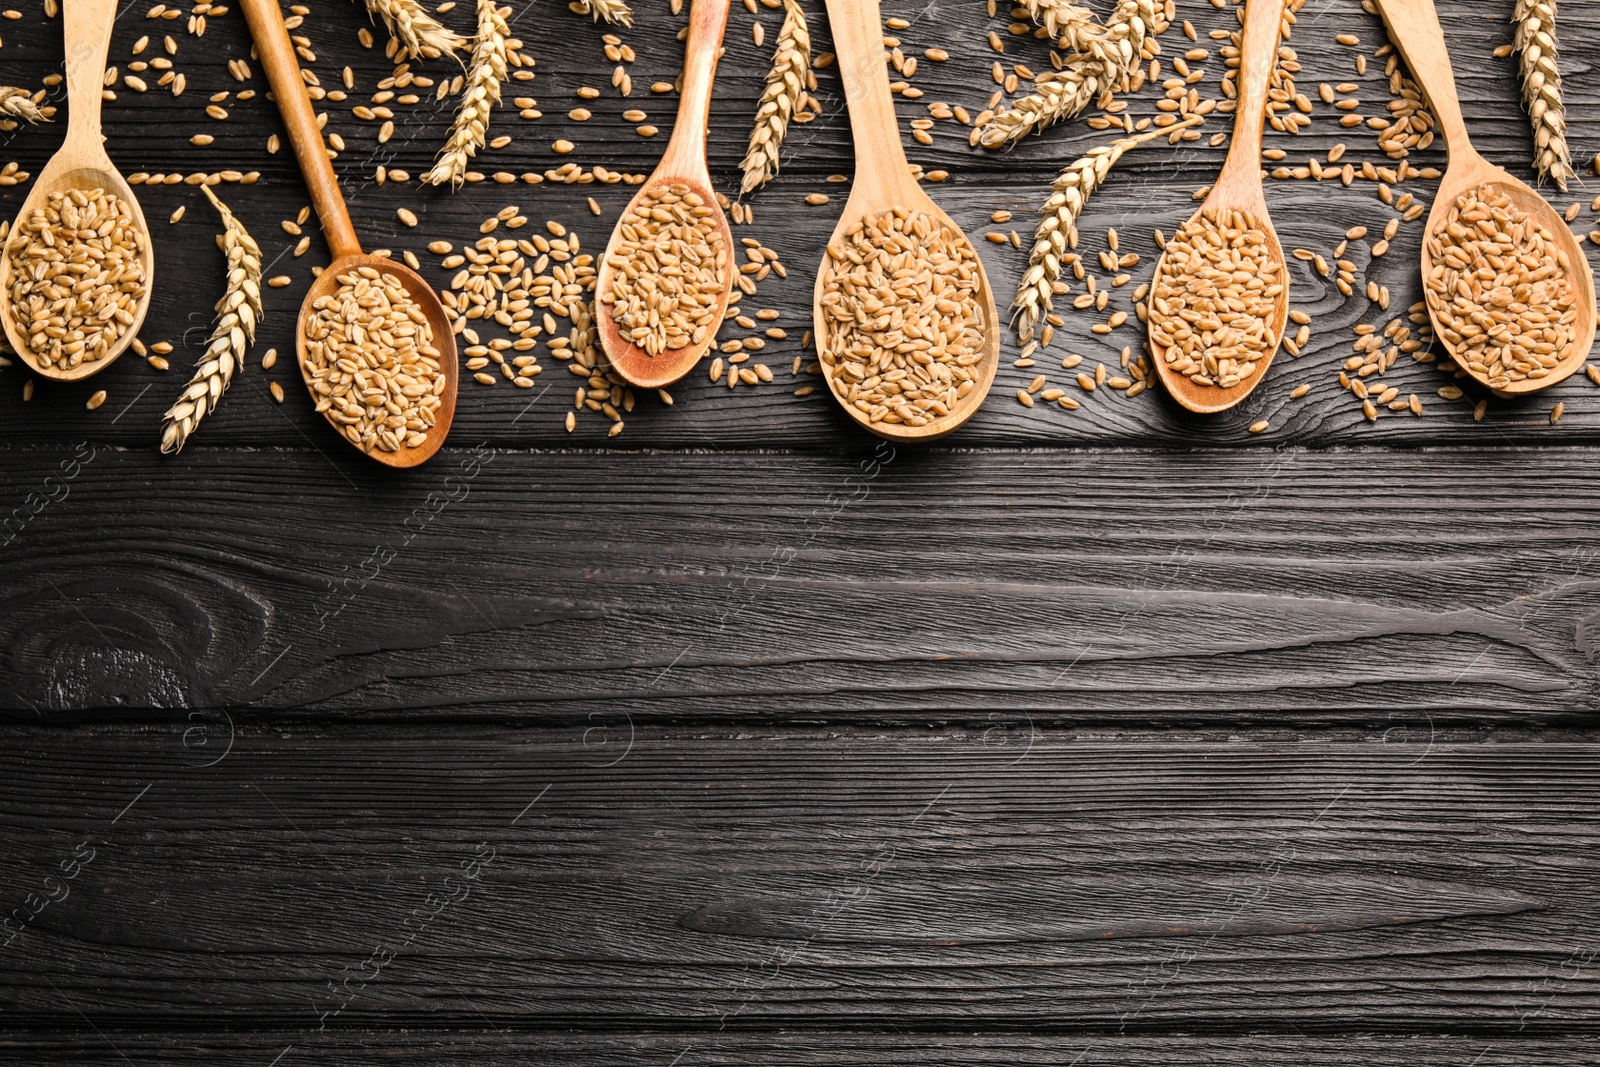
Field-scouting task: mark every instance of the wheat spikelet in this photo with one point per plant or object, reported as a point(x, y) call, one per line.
point(478, 99)
point(1541, 89)
point(19, 103)
point(784, 95)
point(237, 314)
point(1068, 24)
point(615, 12)
point(418, 33)
point(1068, 194)
point(1104, 59)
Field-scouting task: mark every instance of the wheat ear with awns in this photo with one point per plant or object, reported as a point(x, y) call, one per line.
point(1101, 64)
point(418, 33)
point(19, 103)
point(237, 314)
point(781, 100)
point(1068, 195)
point(1541, 89)
point(478, 98)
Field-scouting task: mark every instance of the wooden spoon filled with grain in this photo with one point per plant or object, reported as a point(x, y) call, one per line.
point(376, 348)
point(667, 274)
point(77, 268)
point(904, 317)
point(1219, 302)
point(1507, 285)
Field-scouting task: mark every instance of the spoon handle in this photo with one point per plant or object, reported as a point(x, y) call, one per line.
point(1414, 28)
point(1258, 52)
point(708, 20)
point(87, 28)
point(294, 104)
point(857, 27)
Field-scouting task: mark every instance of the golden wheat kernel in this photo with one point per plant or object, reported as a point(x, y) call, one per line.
point(96, 400)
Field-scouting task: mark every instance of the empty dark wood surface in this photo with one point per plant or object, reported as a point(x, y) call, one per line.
point(1110, 736)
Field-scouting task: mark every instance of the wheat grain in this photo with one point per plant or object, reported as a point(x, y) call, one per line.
point(781, 99)
point(479, 97)
point(1068, 194)
point(1100, 66)
point(1541, 89)
point(237, 314)
point(418, 33)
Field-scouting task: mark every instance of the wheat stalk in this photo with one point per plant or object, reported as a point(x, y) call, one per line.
point(615, 12)
point(784, 95)
point(478, 99)
point(1101, 65)
point(418, 33)
point(237, 314)
point(1541, 89)
point(19, 103)
point(1068, 195)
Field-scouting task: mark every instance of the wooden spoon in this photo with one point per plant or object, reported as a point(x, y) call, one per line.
point(1238, 187)
point(80, 163)
point(283, 74)
point(883, 180)
point(1415, 30)
point(683, 163)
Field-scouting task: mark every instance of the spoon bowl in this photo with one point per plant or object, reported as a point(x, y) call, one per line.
point(1414, 27)
point(444, 339)
point(683, 163)
point(640, 368)
point(1238, 188)
point(883, 181)
point(277, 57)
point(80, 163)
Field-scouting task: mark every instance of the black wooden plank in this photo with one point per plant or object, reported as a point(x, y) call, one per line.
point(1073, 885)
point(510, 1045)
point(1271, 587)
point(1150, 189)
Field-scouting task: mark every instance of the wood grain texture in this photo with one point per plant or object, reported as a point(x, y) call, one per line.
point(639, 879)
point(1150, 189)
point(1280, 586)
point(483, 1043)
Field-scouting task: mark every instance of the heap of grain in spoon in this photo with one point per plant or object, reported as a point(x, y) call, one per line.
point(1500, 289)
point(371, 362)
point(669, 262)
point(77, 276)
point(905, 324)
point(1214, 298)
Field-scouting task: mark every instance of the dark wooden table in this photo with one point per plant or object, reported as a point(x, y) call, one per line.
point(1105, 737)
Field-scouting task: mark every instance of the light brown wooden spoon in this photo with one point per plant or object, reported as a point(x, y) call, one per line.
point(1239, 187)
point(289, 88)
point(883, 180)
point(1414, 28)
point(80, 163)
point(684, 162)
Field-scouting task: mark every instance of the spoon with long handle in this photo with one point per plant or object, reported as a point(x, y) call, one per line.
point(80, 163)
point(1238, 188)
point(283, 74)
point(883, 181)
point(1414, 28)
point(683, 164)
